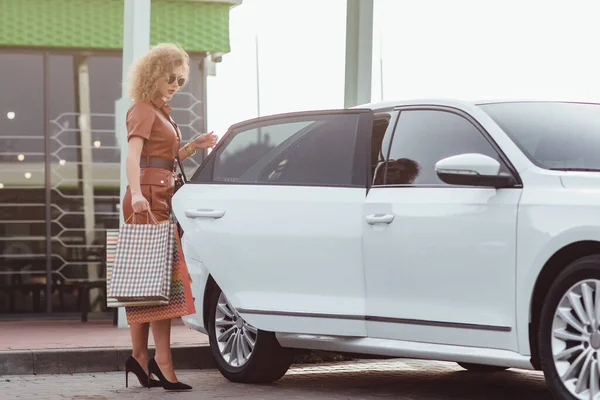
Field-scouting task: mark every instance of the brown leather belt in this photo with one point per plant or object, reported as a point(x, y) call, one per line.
point(156, 162)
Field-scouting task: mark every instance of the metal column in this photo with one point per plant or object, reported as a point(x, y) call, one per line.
point(84, 174)
point(203, 94)
point(48, 184)
point(359, 52)
point(136, 41)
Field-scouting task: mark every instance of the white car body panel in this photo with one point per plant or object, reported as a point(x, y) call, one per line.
point(407, 349)
point(199, 275)
point(313, 269)
point(441, 295)
point(551, 216)
point(269, 226)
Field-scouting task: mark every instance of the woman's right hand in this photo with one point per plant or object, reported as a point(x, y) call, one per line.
point(139, 203)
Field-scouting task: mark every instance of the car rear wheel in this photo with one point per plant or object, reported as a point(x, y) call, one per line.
point(569, 335)
point(242, 352)
point(481, 367)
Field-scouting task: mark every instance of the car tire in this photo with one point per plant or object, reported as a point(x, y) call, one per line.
point(566, 299)
point(482, 368)
point(267, 361)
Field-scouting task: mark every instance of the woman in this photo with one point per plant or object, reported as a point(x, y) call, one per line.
point(154, 141)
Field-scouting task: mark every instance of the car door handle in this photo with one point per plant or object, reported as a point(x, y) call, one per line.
point(203, 213)
point(380, 219)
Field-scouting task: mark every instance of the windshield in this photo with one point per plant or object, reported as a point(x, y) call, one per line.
point(561, 136)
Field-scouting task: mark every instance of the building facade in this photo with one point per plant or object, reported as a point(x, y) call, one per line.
point(60, 75)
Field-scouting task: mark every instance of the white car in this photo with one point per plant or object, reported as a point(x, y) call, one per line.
point(443, 230)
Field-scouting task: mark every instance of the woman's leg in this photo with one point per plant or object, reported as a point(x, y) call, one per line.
point(139, 340)
point(161, 331)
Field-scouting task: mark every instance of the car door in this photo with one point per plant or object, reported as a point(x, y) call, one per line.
point(275, 214)
point(440, 259)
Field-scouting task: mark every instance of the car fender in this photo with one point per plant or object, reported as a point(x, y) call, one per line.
point(532, 256)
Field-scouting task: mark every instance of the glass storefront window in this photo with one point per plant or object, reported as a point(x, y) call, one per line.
point(22, 202)
point(84, 174)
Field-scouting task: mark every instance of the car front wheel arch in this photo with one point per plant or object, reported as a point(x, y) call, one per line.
point(551, 270)
point(242, 352)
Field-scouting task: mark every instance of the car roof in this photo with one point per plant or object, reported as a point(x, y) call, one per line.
point(382, 105)
point(387, 105)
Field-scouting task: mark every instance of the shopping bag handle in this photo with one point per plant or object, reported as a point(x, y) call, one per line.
point(149, 216)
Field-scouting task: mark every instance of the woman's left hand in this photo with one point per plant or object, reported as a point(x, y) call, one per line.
point(205, 141)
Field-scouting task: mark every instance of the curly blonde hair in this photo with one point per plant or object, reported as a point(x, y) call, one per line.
point(158, 62)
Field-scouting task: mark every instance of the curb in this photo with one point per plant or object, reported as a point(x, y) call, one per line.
point(86, 360)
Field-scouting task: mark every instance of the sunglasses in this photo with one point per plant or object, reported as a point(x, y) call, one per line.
point(173, 78)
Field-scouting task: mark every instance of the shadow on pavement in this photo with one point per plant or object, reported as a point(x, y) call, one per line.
point(420, 384)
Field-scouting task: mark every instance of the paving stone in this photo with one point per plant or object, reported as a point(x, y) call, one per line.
point(389, 379)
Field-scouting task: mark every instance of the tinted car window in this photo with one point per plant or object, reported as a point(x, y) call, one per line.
point(316, 150)
point(424, 137)
point(552, 135)
point(248, 146)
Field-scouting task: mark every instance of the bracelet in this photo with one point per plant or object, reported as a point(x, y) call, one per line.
point(189, 150)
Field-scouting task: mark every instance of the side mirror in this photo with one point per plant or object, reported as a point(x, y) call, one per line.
point(473, 170)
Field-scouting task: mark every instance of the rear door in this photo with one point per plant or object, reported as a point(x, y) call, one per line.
point(276, 215)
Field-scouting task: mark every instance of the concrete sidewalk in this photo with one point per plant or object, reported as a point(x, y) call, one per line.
point(47, 335)
point(60, 347)
point(69, 347)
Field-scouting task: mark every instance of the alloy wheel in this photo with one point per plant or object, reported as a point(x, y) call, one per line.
point(235, 337)
point(576, 339)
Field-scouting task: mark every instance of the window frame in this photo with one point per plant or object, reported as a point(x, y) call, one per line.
point(386, 141)
point(360, 168)
point(503, 159)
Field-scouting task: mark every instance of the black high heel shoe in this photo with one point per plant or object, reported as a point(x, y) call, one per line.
point(154, 369)
point(131, 365)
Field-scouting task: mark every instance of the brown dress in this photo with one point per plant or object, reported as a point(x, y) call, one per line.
point(162, 138)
